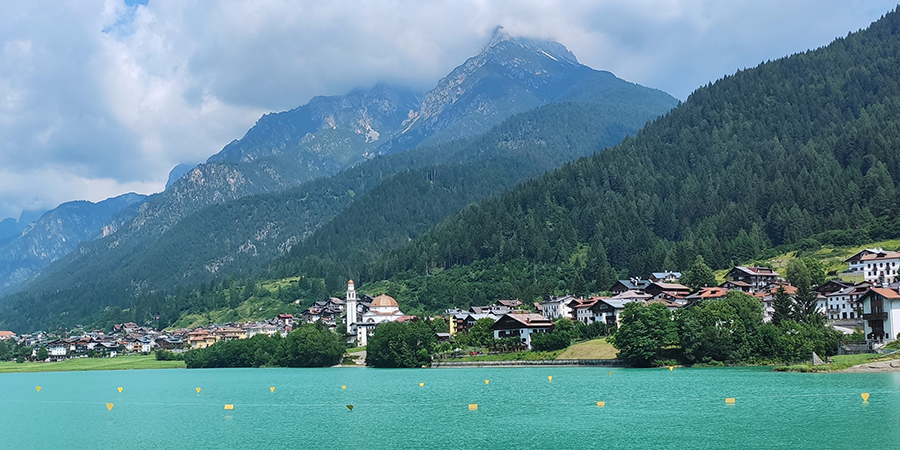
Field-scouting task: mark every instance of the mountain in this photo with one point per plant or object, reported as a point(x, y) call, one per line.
point(328, 133)
point(58, 232)
point(177, 172)
point(510, 75)
point(219, 219)
point(795, 152)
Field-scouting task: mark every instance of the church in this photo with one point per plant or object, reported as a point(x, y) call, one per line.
point(362, 319)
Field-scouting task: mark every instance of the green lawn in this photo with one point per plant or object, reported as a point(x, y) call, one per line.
point(79, 364)
point(593, 349)
point(839, 362)
point(517, 356)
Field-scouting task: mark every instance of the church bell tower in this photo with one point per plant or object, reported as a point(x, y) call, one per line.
point(351, 306)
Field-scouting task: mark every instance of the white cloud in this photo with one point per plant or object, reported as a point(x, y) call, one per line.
point(98, 98)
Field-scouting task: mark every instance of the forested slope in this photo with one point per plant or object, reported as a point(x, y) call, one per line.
point(391, 200)
point(804, 146)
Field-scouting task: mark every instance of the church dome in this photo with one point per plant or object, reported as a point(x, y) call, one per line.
point(384, 301)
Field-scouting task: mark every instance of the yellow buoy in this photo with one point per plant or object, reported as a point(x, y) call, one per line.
point(601, 404)
point(272, 389)
point(350, 407)
point(610, 373)
point(120, 389)
point(344, 387)
point(38, 388)
point(473, 406)
point(729, 400)
point(109, 406)
point(671, 368)
point(421, 384)
point(198, 390)
point(229, 406)
point(865, 396)
point(487, 381)
point(550, 378)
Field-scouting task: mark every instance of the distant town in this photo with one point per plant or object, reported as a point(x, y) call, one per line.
point(870, 305)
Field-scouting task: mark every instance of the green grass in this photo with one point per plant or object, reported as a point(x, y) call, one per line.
point(839, 362)
point(81, 364)
point(517, 356)
point(593, 349)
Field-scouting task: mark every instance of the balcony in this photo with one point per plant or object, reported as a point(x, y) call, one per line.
point(875, 316)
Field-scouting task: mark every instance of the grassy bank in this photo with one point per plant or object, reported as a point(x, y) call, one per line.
point(81, 364)
point(593, 349)
point(839, 362)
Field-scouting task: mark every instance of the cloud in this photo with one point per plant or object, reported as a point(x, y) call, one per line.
point(98, 98)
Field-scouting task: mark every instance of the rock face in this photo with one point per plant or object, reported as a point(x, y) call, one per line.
point(328, 133)
point(58, 232)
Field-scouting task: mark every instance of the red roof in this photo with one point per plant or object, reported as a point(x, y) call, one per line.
point(886, 293)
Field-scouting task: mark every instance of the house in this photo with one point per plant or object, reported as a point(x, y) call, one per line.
point(855, 261)
point(632, 296)
point(608, 310)
point(556, 306)
point(844, 304)
point(706, 293)
point(201, 338)
point(880, 267)
point(881, 312)
point(665, 277)
point(285, 319)
point(230, 333)
point(509, 304)
point(757, 277)
point(140, 345)
point(57, 348)
point(658, 287)
point(632, 284)
point(521, 326)
point(832, 286)
point(7, 335)
point(737, 285)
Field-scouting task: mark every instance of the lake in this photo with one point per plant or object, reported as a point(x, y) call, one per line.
point(518, 408)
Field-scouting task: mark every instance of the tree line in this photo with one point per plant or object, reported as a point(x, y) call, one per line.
point(310, 345)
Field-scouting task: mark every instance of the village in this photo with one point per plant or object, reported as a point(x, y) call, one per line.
point(871, 305)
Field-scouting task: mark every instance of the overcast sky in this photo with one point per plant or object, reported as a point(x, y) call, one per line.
point(99, 98)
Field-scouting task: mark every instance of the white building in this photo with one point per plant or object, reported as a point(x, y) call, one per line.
point(881, 311)
point(556, 307)
point(521, 326)
point(881, 267)
point(843, 304)
point(382, 309)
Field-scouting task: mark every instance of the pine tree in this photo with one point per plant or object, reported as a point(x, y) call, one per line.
point(699, 275)
point(782, 305)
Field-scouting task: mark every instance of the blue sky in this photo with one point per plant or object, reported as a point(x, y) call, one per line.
point(100, 97)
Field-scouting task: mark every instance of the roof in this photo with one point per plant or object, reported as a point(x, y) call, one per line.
point(708, 292)
point(672, 286)
point(526, 320)
point(4, 333)
point(758, 271)
point(880, 256)
point(886, 293)
point(631, 295)
point(384, 301)
point(858, 255)
point(634, 284)
point(662, 275)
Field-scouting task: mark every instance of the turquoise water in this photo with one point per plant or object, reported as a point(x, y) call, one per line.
point(519, 408)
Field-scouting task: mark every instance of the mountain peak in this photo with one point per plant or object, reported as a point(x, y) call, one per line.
point(551, 49)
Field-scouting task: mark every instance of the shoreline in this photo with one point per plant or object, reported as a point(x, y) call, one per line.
point(874, 367)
